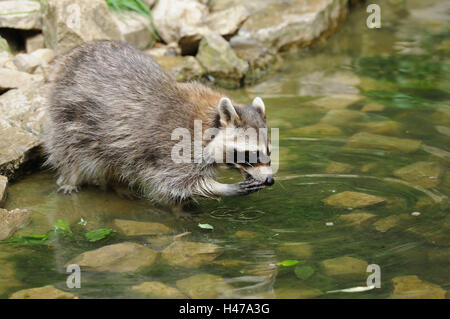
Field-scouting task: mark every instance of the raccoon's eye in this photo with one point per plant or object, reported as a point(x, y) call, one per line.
point(245, 158)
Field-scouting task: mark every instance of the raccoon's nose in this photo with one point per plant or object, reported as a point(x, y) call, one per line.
point(269, 181)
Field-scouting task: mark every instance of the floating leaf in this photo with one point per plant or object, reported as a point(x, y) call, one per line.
point(287, 263)
point(205, 226)
point(99, 234)
point(304, 272)
point(62, 225)
point(33, 239)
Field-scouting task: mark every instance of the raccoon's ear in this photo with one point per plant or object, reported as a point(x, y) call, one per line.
point(259, 104)
point(227, 111)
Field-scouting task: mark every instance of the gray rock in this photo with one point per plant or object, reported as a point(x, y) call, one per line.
point(182, 68)
point(190, 254)
point(69, 23)
point(135, 228)
point(26, 62)
point(11, 221)
point(203, 286)
point(412, 287)
point(158, 290)
point(424, 174)
point(3, 185)
point(353, 200)
point(220, 61)
point(12, 79)
point(170, 49)
point(24, 15)
point(46, 292)
point(135, 28)
point(34, 43)
point(345, 267)
point(123, 257)
point(227, 22)
point(365, 140)
point(293, 23)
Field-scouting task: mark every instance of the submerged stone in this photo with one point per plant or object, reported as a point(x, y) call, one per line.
point(433, 234)
point(245, 234)
point(159, 290)
point(373, 107)
point(441, 255)
point(46, 292)
point(336, 102)
point(297, 293)
point(338, 168)
point(298, 250)
point(354, 200)
point(424, 174)
point(203, 286)
point(345, 267)
point(190, 254)
point(384, 224)
point(412, 287)
point(160, 242)
point(365, 140)
point(11, 221)
point(123, 257)
point(339, 117)
point(3, 184)
point(231, 263)
point(357, 218)
point(382, 127)
point(135, 228)
point(319, 129)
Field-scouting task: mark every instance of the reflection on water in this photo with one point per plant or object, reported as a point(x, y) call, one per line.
point(385, 135)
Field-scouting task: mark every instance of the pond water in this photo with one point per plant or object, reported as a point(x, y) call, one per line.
point(389, 137)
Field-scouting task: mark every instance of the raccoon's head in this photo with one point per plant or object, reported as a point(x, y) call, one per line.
point(242, 140)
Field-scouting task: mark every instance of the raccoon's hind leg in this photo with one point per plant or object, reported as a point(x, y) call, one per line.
point(69, 184)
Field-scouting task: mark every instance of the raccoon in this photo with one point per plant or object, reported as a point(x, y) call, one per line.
point(112, 110)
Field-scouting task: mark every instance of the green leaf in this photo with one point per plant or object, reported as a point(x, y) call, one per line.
point(99, 234)
point(33, 239)
point(205, 226)
point(62, 225)
point(304, 272)
point(287, 263)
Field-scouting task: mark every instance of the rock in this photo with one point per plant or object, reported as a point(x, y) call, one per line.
point(293, 23)
point(135, 28)
point(423, 174)
point(190, 254)
point(365, 140)
point(160, 242)
point(369, 167)
point(324, 83)
point(439, 256)
point(68, 24)
point(319, 129)
point(411, 287)
point(441, 116)
point(340, 117)
point(245, 234)
point(220, 61)
point(149, 3)
point(6, 61)
point(336, 102)
point(294, 293)
point(353, 200)
point(382, 127)
point(384, 224)
point(158, 290)
point(4, 46)
point(227, 22)
point(261, 60)
point(45, 55)
point(444, 130)
point(29, 62)
point(29, 17)
point(373, 107)
point(345, 267)
point(46, 292)
point(123, 257)
point(298, 250)
point(338, 168)
point(135, 228)
point(203, 286)
point(432, 234)
point(12, 79)
point(357, 218)
point(164, 50)
point(11, 221)
point(231, 263)
point(174, 19)
point(3, 185)
point(182, 68)
point(34, 43)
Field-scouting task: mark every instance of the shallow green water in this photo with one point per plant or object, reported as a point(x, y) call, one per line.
point(403, 67)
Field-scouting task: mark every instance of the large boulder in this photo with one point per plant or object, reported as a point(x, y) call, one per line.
point(24, 15)
point(11, 221)
point(3, 185)
point(135, 28)
point(293, 22)
point(68, 24)
point(182, 68)
point(220, 61)
point(227, 22)
point(123, 257)
point(13, 79)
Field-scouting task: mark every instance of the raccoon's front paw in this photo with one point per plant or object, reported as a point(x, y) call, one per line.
point(68, 189)
point(249, 186)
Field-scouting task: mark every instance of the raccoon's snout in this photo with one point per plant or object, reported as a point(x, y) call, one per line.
point(269, 181)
